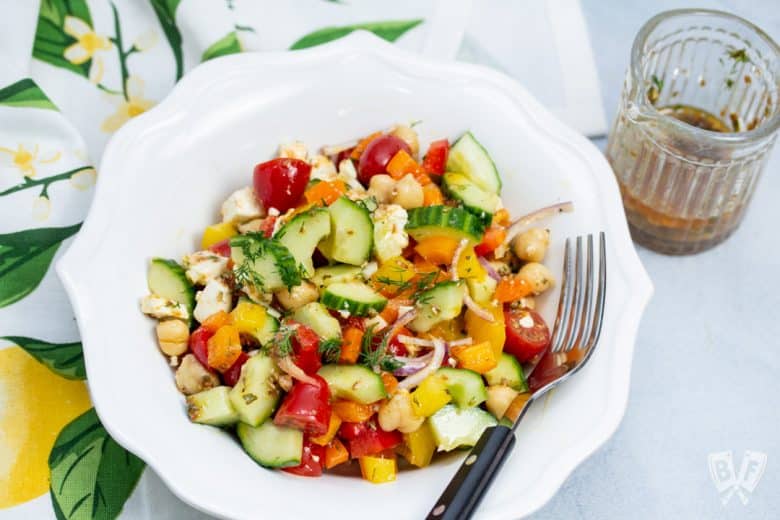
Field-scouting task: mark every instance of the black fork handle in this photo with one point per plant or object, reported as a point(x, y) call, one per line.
point(468, 486)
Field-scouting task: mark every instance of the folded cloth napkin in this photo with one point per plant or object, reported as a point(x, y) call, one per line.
point(74, 71)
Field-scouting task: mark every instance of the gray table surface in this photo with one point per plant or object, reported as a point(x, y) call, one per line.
point(706, 364)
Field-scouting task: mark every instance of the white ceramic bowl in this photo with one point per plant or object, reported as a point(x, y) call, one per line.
point(163, 177)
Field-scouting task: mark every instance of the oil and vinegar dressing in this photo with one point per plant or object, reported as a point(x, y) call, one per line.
point(676, 199)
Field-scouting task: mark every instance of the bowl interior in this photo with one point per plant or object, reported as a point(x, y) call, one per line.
point(169, 172)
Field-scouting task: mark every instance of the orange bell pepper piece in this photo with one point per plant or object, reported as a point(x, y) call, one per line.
point(224, 348)
point(494, 237)
point(401, 164)
point(512, 288)
point(432, 195)
point(391, 383)
point(501, 217)
point(327, 437)
point(350, 346)
point(479, 357)
point(335, 453)
point(438, 250)
point(216, 321)
point(325, 192)
point(362, 145)
point(350, 411)
point(390, 312)
point(481, 330)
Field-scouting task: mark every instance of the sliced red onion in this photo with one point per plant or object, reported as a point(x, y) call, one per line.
point(401, 322)
point(456, 258)
point(476, 309)
point(287, 365)
point(489, 268)
point(460, 342)
point(439, 349)
point(409, 340)
point(519, 225)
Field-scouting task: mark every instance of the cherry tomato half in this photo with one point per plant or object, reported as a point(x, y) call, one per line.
point(199, 345)
point(221, 248)
point(306, 354)
point(436, 158)
point(368, 439)
point(306, 407)
point(280, 183)
point(526, 333)
point(377, 154)
point(231, 375)
point(312, 460)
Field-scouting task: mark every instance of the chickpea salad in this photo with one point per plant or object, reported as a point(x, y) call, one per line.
point(358, 304)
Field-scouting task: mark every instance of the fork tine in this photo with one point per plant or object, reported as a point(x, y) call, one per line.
point(586, 311)
point(575, 320)
point(562, 315)
point(598, 317)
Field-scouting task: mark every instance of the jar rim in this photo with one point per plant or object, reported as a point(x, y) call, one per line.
point(762, 131)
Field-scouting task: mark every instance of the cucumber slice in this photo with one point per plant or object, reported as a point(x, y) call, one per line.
point(468, 157)
point(302, 234)
point(255, 395)
point(465, 386)
point(270, 445)
point(167, 278)
point(266, 264)
point(445, 221)
point(315, 316)
point(482, 290)
point(324, 276)
point(351, 233)
point(212, 407)
point(508, 372)
point(356, 298)
point(354, 382)
point(442, 302)
point(478, 201)
point(454, 427)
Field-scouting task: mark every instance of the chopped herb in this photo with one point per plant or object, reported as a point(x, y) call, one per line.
point(282, 341)
point(739, 55)
point(729, 83)
point(376, 358)
point(659, 83)
point(330, 349)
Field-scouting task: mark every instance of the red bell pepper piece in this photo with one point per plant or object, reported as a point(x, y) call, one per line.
point(368, 439)
point(312, 460)
point(435, 160)
point(306, 407)
point(267, 226)
point(221, 248)
point(199, 345)
point(306, 350)
point(231, 375)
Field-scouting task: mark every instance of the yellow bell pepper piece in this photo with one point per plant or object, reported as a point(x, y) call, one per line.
point(248, 317)
point(437, 250)
point(378, 470)
point(419, 446)
point(478, 357)
point(392, 275)
point(492, 331)
point(448, 330)
point(217, 233)
point(328, 436)
point(430, 396)
point(469, 266)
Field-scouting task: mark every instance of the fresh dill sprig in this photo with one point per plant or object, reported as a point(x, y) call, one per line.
point(330, 349)
point(377, 358)
point(281, 344)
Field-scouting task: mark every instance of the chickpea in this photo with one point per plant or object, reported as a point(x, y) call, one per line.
point(538, 276)
point(173, 336)
point(192, 377)
point(408, 193)
point(531, 245)
point(499, 397)
point(297, 296)
point(408, 135)
point(397, 414)
point(381, 188)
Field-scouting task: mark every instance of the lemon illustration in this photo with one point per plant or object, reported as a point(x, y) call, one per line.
point(35, 404)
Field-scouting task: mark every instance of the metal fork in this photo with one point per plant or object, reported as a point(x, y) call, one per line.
point(575, 335)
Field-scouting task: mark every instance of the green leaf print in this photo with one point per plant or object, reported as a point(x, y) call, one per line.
point(166, 14)
point(91, 475)
point(25, 93)
point(389, 30)
point(64, 359)
point(50, 37)
point(25, 257)
point(222, 47)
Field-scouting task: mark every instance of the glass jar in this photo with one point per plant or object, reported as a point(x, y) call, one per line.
point(696, 122)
